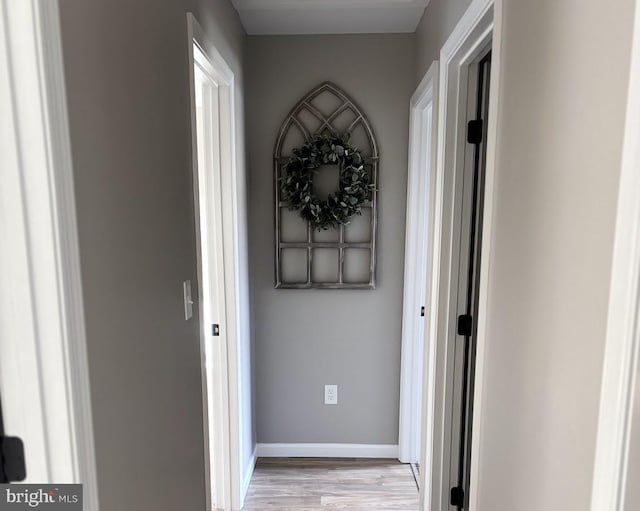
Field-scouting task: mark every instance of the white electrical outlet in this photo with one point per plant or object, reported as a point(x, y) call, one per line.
point(330, 394)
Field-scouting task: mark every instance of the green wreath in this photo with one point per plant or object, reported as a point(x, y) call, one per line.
point(296, 184)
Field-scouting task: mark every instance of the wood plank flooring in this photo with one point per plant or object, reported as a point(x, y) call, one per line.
point(312, 484)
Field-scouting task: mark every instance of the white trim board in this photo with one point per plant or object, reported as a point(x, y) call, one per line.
point(417, 265)
point(327, 451)
point(622, 347)
point(47, 404)
point(479, 26)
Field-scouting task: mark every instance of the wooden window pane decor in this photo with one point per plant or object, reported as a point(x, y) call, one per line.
point(340, 258)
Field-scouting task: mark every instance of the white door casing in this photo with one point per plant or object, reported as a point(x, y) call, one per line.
point(44, 375)
point(218, 297)
point(417, 267)
point(480, 26)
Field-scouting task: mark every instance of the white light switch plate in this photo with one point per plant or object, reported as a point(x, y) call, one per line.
point(188, 302)
point(330, 394)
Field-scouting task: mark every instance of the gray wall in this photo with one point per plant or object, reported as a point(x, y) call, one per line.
point(305, 339)
point(438, 20)
point(558, 157)
point(127, 81)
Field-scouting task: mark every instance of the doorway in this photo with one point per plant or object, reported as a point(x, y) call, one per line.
point(211, 279)
point(460, 252)
point(418, 262)
point(214, 191)
point(462, 373)
point(46, 424)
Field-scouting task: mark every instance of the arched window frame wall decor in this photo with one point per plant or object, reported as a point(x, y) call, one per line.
point(295, 121)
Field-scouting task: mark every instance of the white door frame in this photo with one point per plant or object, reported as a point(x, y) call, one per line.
point(417, 260)
point(220, 396)
point(480, 25)
point(622, 349)
point(44, 375)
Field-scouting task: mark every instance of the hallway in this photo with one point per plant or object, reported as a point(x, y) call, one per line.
point(274, 252)
point(310, 484)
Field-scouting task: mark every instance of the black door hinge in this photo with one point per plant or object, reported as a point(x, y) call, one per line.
point(12, 465)
point(457, 497)
point(465, 324)
point(474, 131)
point(422, 311)
point(215, 330)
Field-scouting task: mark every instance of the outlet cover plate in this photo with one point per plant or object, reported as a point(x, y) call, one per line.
point(330, 394)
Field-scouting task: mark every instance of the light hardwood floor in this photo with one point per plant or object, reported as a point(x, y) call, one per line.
point(312, 484)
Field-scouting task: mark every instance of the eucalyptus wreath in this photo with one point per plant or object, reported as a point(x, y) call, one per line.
point(296, 183)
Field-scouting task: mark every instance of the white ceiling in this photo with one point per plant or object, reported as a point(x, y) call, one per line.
point(329, 16)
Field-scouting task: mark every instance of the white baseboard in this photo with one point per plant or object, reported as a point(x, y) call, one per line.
point(248, 474)
point(327, 451)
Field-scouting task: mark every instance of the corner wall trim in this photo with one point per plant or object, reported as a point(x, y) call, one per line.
point(327, 451)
